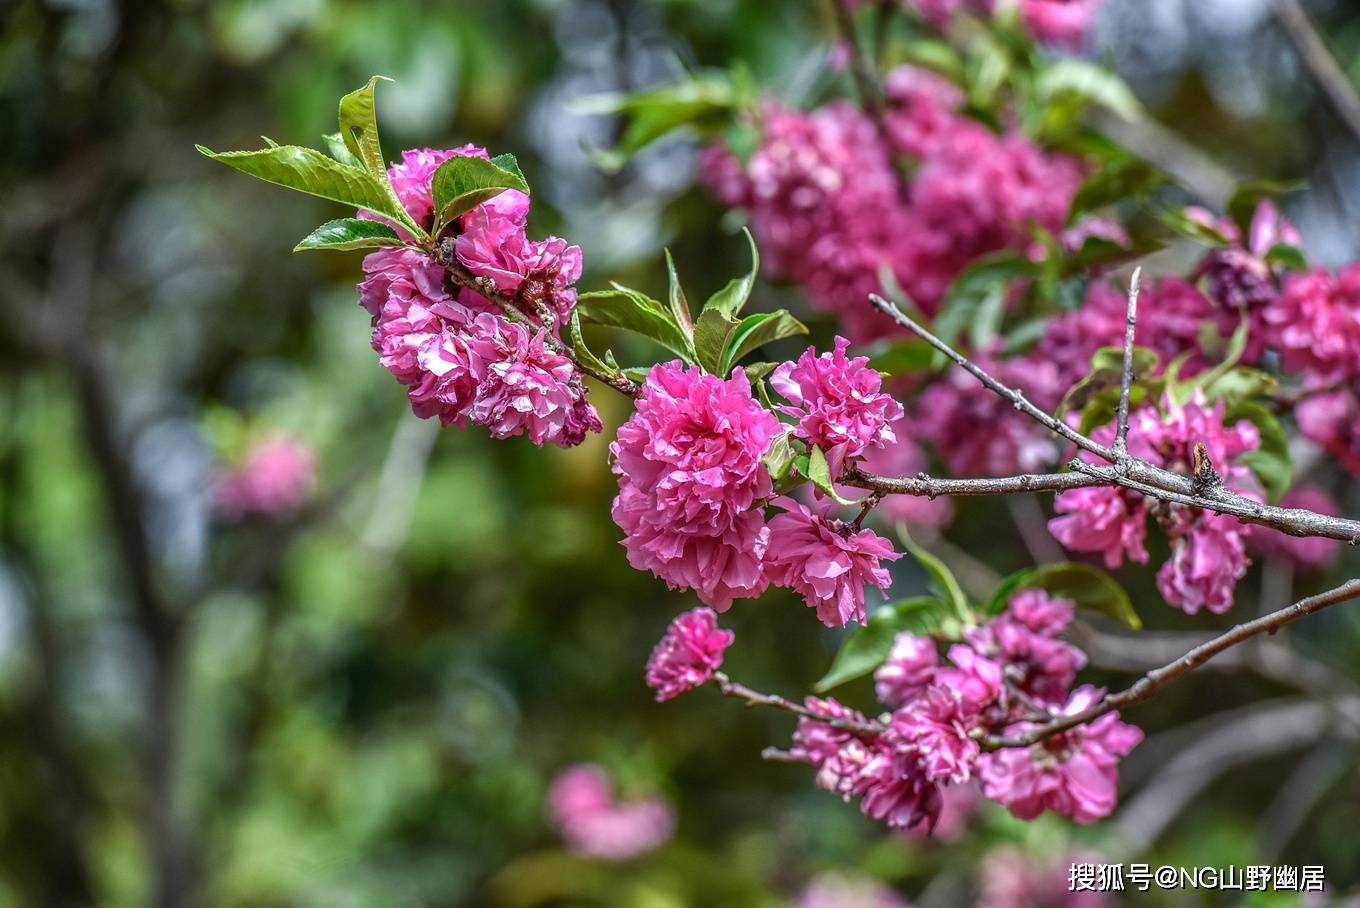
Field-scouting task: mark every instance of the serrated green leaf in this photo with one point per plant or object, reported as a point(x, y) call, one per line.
point(359, 127)
point(711, 332)
point(1271, 462)
point(463, 182)
point(756, 330)
point(1241, 383)
point(344, 234)
point(730, 299)
point(675, 297)
point(1100, 388)
point(335, 144)
point(1089, 587)
point(945, 581)
point(866, 648)
point(819, 472)
point(584, 355)
point(312, 172)
point(630, 310)
point(757, 371)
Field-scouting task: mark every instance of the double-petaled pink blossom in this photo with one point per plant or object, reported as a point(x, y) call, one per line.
point(690, 476)
point(825, 560)
point(937, 725)
point(1315, 324)
point(838, 401)
point(1074, 773)
point(908, 670)
point(688, 654)
point(412, 177)
point(1208, 554)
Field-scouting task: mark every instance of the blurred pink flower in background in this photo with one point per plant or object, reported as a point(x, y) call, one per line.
point(832, 890)
point(593, 823)
point(1010, 878)
point(276, 476)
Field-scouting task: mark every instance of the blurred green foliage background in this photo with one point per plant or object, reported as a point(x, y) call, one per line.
point(363, 705)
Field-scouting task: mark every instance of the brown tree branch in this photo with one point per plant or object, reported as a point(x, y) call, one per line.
point(1158, 678)
point(730, 688)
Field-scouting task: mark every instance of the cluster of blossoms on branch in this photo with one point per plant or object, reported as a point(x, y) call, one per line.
point(1004, 677)
point(694, 484)
point(460, 356)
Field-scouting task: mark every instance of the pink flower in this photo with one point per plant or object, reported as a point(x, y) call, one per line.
point(834, 891)
point(1332, 420)
point(1064, 22)
point(837, 402)
point(496, 374)
point(1102, 519)
point(1025, 639)
point(1011, 878)
point(1315, 324)
point(1206, 562)
point(493, 245)
point(688, 655)
point(1309, 553)
point(894, 790)
point(814, 741)
point(411, 178)
point(977, 679)
point(275, 477)
point(1208, 556)
point(909, 668)
point(826, 561)
point(593, 823)
point(1040, 612)
point(1074, 774)
point(936, 725)
point(690, 478)
point(939, 12)
point(1238, 275)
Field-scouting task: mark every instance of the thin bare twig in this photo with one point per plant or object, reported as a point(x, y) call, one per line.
point(1158, 678)
point(1121, 430)
point(730, 688)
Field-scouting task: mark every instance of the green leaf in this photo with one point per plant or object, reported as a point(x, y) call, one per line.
point(778, 458)
point(1241, 383)
point(314, 173)
point(1270, 462)
point(1100, 388)
point(1089, 587)
point(675, 296)
point(866, 648)
point(463, 182)
point(945, 581)
point(756, 330)
point(901, 357)
point(584, 355)
point(1237, 345)
point(710, 339)
point(1182, 224)
point(630, 310)
point(730, 299)
point(1286, 257)
point(819, 471)
point(1121, 177)
point(359, 127)
point(981, 287)
point(704, 103)
point(1245, 199)
point(1073, 77)
point(335, 144)
point(345, 234)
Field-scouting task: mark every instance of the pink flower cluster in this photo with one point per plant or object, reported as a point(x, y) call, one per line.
point(693, 485)
point(460, 359)
point(1208, 551)
point(593, 823)
point(688, 654)
point(275, 477)
point(1006, 676)
point(836, 891)
point(1059, 22)
point(831, 208)
point(1238, 276)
